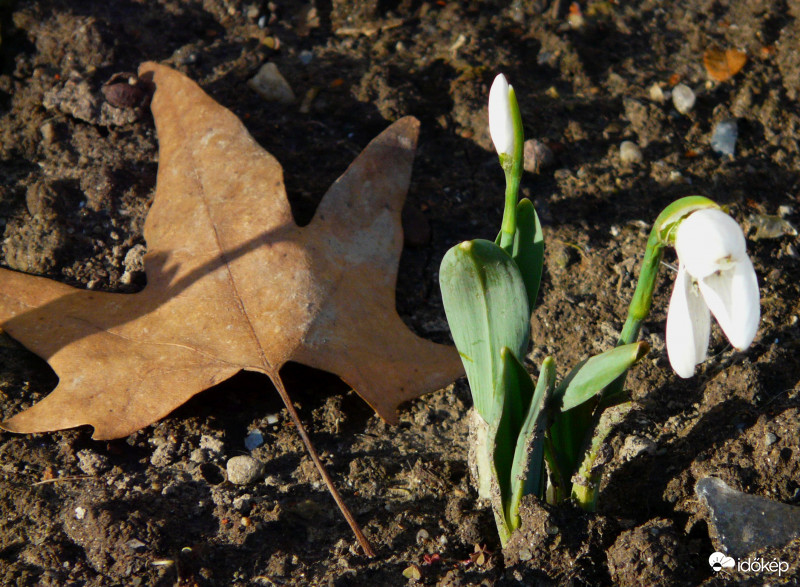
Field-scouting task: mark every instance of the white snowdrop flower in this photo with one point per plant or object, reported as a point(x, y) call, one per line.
point(501, 122)
point(715, 276)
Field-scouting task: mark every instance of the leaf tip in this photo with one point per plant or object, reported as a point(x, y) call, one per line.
point(642, 349)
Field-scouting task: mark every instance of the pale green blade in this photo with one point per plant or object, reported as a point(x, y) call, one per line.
point(487, 309)
point(528, 251)
point(591, 376)
point(528, 474)
point(518, 392)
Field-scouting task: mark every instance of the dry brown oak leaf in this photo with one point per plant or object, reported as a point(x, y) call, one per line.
point(232, 283)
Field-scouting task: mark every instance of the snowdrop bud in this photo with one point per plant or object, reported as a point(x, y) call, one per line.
point(501, 122)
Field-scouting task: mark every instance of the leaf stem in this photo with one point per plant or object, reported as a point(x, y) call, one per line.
point(362, 539)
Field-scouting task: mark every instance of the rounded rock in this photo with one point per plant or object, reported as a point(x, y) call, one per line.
point(629, 152)
point(244, 470)
point(683, 98)
point(271, 85)
point(537, 156)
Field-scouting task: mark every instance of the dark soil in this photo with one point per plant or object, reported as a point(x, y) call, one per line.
point(78, 169)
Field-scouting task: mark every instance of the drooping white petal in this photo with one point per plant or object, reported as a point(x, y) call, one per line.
point(709, 240)
point(732, 296)
point(688, 326)
point(501, 123)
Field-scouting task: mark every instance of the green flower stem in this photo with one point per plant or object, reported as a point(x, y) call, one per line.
point(661, 235)
point(509, 226)
point(584, 491)
point(512, 166)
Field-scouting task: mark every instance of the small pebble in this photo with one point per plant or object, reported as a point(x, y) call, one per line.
point(135, 544)
point(48, 131)
point(656, 93)
point(272, 419)
point(271, 85)
point(306, 57)
point(80, 513)
point(536, 156)
point(253, 440)
point(770, 438)
point(683, 98)
point(244, 470)
point(243, 503)
point(675, 175)
point(723, 139)
point(629, 152)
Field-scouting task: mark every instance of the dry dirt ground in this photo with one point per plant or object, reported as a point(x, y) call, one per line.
point(78, 174)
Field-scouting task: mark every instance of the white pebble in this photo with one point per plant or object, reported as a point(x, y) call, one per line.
point(80, 513)
point(657, 94)
point(244, 470)
point(629, 152)
point(683, 98)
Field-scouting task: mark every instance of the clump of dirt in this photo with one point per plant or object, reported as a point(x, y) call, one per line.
point(79, 162)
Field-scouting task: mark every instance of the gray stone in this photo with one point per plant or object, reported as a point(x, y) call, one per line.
point(537, 156)
point(744, 523)
point(271, 85)
point(253, 440)
point(244, 470)
point(723, 139)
